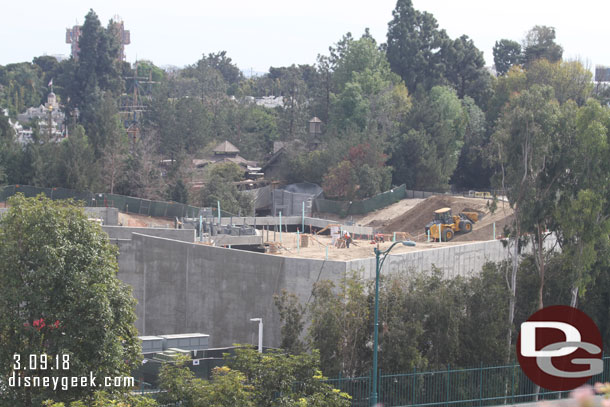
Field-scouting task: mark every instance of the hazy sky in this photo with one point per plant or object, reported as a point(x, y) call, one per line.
point(264, 33)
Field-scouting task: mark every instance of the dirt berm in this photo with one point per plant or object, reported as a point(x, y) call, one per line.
point(414, 220)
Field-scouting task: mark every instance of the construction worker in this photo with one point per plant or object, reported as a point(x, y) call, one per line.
point(348, 239)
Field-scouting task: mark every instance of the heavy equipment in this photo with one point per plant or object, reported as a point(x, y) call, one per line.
point(445, 225)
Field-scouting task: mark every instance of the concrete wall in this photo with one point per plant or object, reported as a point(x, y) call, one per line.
point(185, 287)
point(109, 215)
point(463, 260)
point(182, 287)
point(293, 220)
point(125, 232)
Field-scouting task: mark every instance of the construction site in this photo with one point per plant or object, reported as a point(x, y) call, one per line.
point(212, 274)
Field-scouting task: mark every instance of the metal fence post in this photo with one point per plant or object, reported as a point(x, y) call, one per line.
point(513, 385)
point(413, 398)
point(481, 385)
point(448, 384)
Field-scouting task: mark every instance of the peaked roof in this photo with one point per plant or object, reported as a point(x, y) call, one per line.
point(225, 147)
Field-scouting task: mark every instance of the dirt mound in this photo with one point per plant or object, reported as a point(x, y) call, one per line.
point(136, 220)
point(414, 220)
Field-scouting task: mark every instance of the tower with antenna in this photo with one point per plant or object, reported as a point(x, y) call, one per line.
point(132, 102)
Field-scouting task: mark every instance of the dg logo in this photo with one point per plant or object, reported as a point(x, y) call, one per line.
point(559, 348)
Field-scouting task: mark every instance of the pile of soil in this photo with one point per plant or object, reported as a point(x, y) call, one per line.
point(414, 220)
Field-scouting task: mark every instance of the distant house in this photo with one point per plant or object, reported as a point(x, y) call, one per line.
point(225, 152)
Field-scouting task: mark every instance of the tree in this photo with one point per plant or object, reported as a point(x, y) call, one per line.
point(465, 70)
point(426, 154)
point(280, 379)
point(473, 170)
point(582, 215)
point(540, 43)
point(361, 174)
point(252, 379)
point(527, 150)
point(75, 169)
point(60, 296)
point(413, 46)
point(291, 315)
point(506, 54)
point(220, 187)
point(340, 326)
point(91, 78)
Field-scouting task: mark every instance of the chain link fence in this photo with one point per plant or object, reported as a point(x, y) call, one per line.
point(345, 208)
point(125, 204)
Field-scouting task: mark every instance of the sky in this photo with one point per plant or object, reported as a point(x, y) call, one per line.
point(264, 33)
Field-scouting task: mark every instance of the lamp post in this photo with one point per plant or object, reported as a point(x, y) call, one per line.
point(260, 333)
point(378, 264)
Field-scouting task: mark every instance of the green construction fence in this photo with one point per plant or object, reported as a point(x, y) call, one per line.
point(126, 204)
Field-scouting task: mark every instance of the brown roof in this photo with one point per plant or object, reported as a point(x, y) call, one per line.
point(225, 147)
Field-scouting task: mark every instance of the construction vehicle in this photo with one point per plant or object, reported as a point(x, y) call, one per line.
point(445, 225)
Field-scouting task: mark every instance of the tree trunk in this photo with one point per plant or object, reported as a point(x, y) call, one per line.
point(574, 300)
point(512, 286)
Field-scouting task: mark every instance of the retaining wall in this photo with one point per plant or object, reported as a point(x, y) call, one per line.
point(185, 287)
point(463, 260)
point(125, 232)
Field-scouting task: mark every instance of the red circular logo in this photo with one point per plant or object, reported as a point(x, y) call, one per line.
point(559, 348)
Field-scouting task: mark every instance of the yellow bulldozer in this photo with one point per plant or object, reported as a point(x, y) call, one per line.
point(445, 225)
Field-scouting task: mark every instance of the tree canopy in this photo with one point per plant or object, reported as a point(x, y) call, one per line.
point(60, 296)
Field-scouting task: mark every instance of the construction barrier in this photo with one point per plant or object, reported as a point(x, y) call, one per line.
point(123, 203)
point(345, 208)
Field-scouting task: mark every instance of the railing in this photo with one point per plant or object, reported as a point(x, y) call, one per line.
point(475, 387)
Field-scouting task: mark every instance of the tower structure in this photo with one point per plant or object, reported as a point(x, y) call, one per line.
point(117, 28)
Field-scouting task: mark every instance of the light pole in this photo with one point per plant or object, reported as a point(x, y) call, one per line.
point(378, 265)
point(260, 333)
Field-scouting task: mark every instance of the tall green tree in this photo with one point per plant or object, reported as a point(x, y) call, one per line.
point(413, 46)
point(60, 296)
point(220, 187)
point(426, 154)
point(539, 43)
point(506, 54)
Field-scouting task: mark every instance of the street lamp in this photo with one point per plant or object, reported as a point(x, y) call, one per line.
point(260, 333)
point(378, 265)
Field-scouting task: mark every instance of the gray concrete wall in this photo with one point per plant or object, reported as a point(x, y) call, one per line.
point(293, 220)
point(125, 232)
point(185, 287)
point(109, 215)
point(182, 287)
point(463, 260)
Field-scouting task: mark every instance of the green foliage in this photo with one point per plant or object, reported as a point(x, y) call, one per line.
point(308, 167)
point(539, 43)
point(291, 315)
point(280, 379)
point(473, 170)
point(413, 44)
point(360, 175)
point(426, 156)
point(506, 54)
point(219, 187)
point(104, 399)
point(21, 86)
point(426, 321)
point(58, 267)
point(179, 384)
point(252, 379)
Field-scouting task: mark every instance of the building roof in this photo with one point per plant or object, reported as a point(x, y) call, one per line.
point(225, 148)
point(315, 120)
